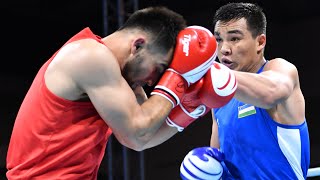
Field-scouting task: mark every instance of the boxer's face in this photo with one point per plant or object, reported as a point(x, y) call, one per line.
point(145, 69)
point(237, 48)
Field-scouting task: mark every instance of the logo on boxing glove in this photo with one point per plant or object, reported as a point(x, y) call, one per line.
point(185, 42)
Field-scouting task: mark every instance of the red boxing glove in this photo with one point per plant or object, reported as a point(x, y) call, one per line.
point(214, 90)
point(195, 51)
point(219, 86)
point(190, 109)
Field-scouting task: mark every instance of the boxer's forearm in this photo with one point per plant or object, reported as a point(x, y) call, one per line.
point(164, 133)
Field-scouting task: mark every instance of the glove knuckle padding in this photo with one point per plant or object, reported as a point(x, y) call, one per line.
point(191, 107)
point(224, 83)
point(173, 84)
point(197, 47)
point(219, 86)
point(195, 51)
point(201, 163)
point(214, 90)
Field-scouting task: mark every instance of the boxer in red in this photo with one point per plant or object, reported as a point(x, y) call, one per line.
point(92, 87)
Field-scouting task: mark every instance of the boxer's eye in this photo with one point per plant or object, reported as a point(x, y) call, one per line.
point(235, 39)
point(218, 39)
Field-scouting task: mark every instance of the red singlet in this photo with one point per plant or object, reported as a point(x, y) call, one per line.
point(54, 138)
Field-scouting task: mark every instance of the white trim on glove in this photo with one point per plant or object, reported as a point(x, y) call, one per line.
point(172, 124)
point(195, 114)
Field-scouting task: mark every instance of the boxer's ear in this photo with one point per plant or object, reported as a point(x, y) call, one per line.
point(138, 44)
point(261, 42)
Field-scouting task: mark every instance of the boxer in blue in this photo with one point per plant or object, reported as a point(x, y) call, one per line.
point(262, 132)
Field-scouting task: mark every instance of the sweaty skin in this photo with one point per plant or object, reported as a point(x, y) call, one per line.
point(276, 89)
point(95, 74)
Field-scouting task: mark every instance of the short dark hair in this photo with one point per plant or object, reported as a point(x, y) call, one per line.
point(161, 23)
point(253, 13)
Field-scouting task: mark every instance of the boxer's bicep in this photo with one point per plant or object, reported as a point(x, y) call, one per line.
point(110, 93)
point(119, 108)
point(101, 79)
point(116, 104)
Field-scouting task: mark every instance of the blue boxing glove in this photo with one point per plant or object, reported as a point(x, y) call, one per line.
point(202, 163)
